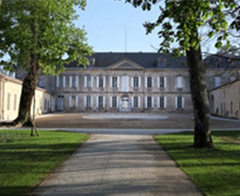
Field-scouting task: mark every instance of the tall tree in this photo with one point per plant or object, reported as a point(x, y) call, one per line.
point(179, 22)
point(40, 37)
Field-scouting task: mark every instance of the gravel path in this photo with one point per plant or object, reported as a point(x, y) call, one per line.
point(118, 165)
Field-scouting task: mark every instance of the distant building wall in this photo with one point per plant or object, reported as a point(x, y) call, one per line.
point(225, 100)
point(10, 92)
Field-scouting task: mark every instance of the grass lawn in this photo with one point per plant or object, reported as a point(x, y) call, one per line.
point(25, 161)
point(216, 172)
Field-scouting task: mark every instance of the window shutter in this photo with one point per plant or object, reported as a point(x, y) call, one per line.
point(158, 82)
point(152, 82)
point(175, 102)
point(132, 102)
point(91, 102)
point(104, 101)
point(111, 82)
point(64, 81)
point(104, 81)
point(118, 102)
point(76, 82)
point(152, 102)
point(111, 99)
point(182, 102)
point(70, 81)
point(57, 82)
point(145, 102)
point(97, 101)
point(139, 100)
point(145, 82)
point(118, 81)
point(97, 81)
point(70, 101)
point(139, 81)
point(91, 81)
point(165, 82)
point(76, 104)
point(85, 81)
point(159, 99)
point(85, 101)
point(132, 81)
point(165, 102)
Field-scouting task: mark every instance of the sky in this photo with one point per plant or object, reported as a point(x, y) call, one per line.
point(116, 26)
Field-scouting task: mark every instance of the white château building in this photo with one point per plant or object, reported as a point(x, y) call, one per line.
point(130, 82)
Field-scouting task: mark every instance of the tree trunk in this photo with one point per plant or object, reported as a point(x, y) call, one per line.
point(28, 88)
point(202, 132)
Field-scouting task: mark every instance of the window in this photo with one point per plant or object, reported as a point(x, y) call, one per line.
point(88, 101)
point(114, 102)
point(45, 104)
point(135, 102)
point(149, 82)
point(149, 102)
point(15, 102)
point(60, 81)
point(100, 101)
point(74, 81)
point(89, 81)
point(161, 82)
point(8, 101)
point(114, 81)
point(231, 107)
point(135, 82)
point(179, 102)
point(73, 101)
point(217, 81)
point(161, 102)
point(179, 82)
point(100, 81)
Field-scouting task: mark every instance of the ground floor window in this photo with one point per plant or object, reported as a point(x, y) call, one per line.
point(100, 101)
point(149, 102)
point(88, 101)
point(114, 102)
point(179, 102)
point(135, 102)
point(161, 102)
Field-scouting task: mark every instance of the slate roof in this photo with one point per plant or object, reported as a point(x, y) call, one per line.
point(146, 60)
point(222, 61)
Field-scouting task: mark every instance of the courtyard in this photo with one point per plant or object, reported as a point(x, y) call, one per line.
point(128, 121)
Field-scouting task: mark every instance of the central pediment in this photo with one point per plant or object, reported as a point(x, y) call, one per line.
point(125, 64)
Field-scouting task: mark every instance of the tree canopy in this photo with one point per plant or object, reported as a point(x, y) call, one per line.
point(45, 28)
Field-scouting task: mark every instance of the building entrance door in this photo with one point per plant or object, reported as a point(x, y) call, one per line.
point(125, 104)
point(60, 103)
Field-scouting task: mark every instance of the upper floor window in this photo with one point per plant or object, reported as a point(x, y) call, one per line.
point(61, 81)
point(88, 81)
point(149, 82)
point(114, 81)
point(179, 82)
point(135, 82)
point(217, 81)
point(100, 82)
point(75, 81)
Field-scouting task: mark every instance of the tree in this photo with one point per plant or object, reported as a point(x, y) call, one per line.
point(40, 37)
point(179, 22)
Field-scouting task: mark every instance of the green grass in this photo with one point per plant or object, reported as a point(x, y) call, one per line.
point(216, 172)
point(25, 161)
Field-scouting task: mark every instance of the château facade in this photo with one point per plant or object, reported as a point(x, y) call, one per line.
point(129, 82)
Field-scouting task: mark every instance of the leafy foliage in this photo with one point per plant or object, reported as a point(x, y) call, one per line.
point(44, 28)
point(180, 20)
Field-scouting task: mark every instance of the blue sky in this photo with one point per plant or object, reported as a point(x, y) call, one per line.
point(106, 22)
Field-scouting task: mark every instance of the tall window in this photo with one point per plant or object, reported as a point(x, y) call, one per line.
point(15, 102)
point(179, 102)
point(100, 101)
point(74, 81)
point(161, 100)
point(8, 101)
point(161, 82)
point(89, 81)
point(135, 82)
point(135, 102)
point(231, 107)
point(149, 82)
point(179, 82)
point(114, 81)
point(100, 81)
point(217, 81)
point(45, 104)
point(88, 101)
point(114, 102)
point(60, 81)
point(149, 102)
